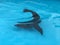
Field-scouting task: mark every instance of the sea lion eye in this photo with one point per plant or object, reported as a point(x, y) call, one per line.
point(31, 23)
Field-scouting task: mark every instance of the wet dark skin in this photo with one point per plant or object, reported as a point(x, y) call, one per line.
point(31, 23)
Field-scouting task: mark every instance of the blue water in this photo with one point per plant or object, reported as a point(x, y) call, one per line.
point(11, 13)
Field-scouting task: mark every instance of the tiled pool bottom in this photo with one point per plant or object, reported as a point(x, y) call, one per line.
point(10, 14)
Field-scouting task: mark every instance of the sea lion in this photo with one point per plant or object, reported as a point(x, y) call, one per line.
point(31, 23)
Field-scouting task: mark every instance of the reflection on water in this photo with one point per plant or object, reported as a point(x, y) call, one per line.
point(11, 13)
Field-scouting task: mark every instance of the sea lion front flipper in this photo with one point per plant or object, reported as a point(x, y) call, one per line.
point(36, 26)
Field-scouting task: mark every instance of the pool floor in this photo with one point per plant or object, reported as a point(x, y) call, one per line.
point(11, 13)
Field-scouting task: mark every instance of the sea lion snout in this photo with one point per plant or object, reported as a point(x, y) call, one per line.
point(26, 10)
